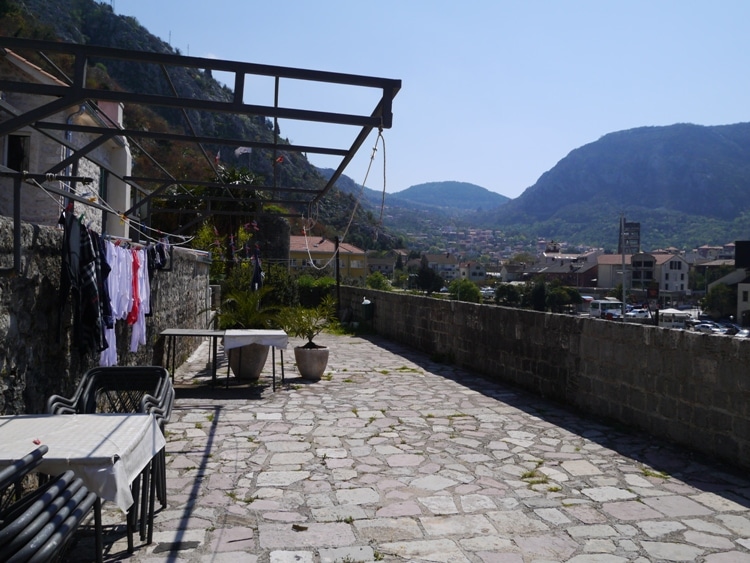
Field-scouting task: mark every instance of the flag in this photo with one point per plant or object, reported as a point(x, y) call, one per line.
point(242, 150)
point(257, 281)
point(217, 158)
point(280, 160)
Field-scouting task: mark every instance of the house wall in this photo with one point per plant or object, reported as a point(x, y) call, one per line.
point(44, 153)
point(37, 358)
point(682, 386)
point(41, 207)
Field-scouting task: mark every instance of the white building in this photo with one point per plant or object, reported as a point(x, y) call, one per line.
point(28, 150)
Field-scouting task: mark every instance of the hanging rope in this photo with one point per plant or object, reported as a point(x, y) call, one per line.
point(138, 227)
point(312, 223)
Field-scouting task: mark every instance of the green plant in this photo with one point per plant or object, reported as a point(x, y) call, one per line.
point(245, 309)
point(312, 290)
point(308, 322)
point(378, 281)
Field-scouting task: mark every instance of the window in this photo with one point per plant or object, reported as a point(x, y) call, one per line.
point(744, 296)
point(666, 276)
point(666, 287)
point(103, 176)
point(17, 156)
point(682, 277)
point(675, 265)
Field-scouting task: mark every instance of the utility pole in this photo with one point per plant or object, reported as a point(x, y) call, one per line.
point(338, 277)
point(622, 247)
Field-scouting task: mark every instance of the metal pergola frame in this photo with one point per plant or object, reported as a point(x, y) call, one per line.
point(72, 91)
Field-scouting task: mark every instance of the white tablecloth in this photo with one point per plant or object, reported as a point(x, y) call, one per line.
point(107, 451)
point(235, 338)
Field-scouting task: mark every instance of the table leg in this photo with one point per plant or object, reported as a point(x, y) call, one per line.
point(151, 503)
point(98, 542)
point(226, 353)
point(174, 355)
point(282, 366)
point(132, 515)
point(215, 364)
point(145, 500)
point(273, 367)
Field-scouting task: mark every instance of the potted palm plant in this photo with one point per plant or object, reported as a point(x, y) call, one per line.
point(244, 309)
point(309, 322)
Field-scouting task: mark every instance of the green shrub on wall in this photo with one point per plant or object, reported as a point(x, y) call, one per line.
point(312, 290)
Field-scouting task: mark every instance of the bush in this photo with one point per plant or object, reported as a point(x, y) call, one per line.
point(377, 280)
point(313, 290)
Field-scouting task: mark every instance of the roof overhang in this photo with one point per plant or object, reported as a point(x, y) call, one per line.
point(70, 91)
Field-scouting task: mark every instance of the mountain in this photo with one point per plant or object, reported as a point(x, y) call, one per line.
point(449, 196)
point(420, 208)
point(686, 184)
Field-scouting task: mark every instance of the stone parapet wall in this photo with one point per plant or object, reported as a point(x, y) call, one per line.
point(37, 358)
point(687, 387)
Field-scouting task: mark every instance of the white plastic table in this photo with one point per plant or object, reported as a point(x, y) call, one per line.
point(235, 338)
point(107, 451)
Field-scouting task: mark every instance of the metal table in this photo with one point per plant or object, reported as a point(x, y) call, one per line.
point(172, 333)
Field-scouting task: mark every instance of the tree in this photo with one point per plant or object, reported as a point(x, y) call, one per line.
point(721, 301)
point(465, 290)
point(399, 263)
point(377, 280)
point(539, 295)
point(507, 294)
point(428, 279)
point(560, 297)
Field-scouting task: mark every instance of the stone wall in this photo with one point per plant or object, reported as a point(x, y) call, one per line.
point(37, 359)
point(687, 387)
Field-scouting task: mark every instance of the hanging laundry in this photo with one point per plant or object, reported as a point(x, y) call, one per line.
point(143, 298)
point(79, 278)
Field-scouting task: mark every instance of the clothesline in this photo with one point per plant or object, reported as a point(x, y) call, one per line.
point(109, 281)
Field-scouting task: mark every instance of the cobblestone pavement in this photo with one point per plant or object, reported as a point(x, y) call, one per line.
point(394, 457)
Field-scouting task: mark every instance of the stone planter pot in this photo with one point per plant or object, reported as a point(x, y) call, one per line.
point(247, 362)
point(311, 362)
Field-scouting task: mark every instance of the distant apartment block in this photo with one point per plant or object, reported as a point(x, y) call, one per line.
point(311, 253)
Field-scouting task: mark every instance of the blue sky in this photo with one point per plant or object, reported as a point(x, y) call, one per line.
point(494, 92)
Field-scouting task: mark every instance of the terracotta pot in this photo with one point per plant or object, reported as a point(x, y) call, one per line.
point(311, 362)
point(247, 362)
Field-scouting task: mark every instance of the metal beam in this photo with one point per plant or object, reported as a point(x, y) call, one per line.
point(73, 91)
point(181, 137)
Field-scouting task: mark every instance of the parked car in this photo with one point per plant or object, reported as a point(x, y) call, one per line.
point(708, 327)
point(743, 333)
point(638, 314)
point(730, 329)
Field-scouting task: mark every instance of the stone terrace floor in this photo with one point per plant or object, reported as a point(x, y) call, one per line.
point(394, 457)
